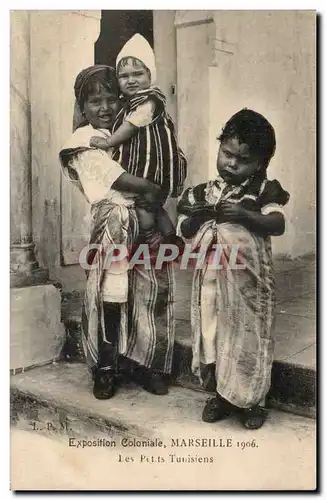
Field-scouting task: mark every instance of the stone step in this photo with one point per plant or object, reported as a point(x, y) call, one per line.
point(293, 385)
point(56, 401)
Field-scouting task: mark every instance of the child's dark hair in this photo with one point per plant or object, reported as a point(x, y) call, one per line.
point(251, 128)
point(105, 79)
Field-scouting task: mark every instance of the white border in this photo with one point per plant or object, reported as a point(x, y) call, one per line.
point(4, 198)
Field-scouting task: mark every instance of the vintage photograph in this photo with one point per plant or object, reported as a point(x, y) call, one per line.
point(163, 250)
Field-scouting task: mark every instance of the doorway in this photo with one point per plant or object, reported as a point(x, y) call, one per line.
point(117, 27)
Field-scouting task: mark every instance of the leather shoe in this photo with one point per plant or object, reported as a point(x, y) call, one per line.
point(104, 384)
point(216, 409)
point(152, 381)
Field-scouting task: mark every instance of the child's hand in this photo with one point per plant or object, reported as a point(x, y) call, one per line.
point(206, 213)
point(231, 212)
point(151, 200)
point(146, 219)
point(99, 142)
point(147, 202)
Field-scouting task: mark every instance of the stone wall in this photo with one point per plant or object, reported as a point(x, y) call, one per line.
point(264, 60)
point(221, 61)
point(62, 43)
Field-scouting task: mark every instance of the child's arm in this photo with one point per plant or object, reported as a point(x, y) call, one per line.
point(138, 185)
point(272, 224)
point(122, 134)
point(139, 117)
point(149, 191)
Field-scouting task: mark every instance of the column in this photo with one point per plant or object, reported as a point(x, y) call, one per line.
point(24, 269)
point(195, 31)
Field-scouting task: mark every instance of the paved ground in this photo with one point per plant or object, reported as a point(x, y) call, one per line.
point(281, 455)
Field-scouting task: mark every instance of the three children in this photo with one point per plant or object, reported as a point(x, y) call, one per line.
point(232, 311)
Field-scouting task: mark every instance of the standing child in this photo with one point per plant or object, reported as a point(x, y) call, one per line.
point(232, 309)
point(144, 138)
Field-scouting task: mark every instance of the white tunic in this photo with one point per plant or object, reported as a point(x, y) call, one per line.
point(97, 172)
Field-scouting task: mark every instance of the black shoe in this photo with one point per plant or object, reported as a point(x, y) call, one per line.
point(253, 418)
point(155, 383)
point(104, 384)
point(126, 369)
point(216, 409)
point(152, 381)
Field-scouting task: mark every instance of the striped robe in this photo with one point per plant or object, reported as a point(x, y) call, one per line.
point(232, 309)
point(111, 224)
point(147, 320)
point(153, 151)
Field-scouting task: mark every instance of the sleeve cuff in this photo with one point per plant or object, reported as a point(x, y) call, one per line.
point(272, 207)
point(180, 221)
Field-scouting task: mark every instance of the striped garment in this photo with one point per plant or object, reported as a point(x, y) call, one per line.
point(153, 152)
point(253, 194)
point(152, 319)
point(232, 309)
point(147, 319)
point(112, 224)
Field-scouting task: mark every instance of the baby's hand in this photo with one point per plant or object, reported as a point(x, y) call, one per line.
point(99, 142)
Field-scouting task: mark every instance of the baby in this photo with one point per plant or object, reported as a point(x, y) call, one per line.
point(143, 137)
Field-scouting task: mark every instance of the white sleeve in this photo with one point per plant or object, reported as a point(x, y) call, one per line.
point(143, 115)
point(272, 207)
point(97, 172)
point(181, 218)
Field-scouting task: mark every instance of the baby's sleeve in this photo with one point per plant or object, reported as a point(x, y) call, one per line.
point(143, 115)
point(274, 194)
point(272, 207)
point(273, 198)
point(181, 219)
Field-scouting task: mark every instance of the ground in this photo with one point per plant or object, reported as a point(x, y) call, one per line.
point(279, 456)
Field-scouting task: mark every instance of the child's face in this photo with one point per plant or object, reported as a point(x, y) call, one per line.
point(133, 76)
point(235, 163)
point(101, 108)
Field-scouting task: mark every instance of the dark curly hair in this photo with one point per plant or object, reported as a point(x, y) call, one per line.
point(251, 128)
point(93, 77)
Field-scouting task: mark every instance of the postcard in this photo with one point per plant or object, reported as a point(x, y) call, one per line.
point(163, 250)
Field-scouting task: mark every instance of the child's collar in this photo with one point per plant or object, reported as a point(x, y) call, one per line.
point(243, 184)
point(151, 87)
